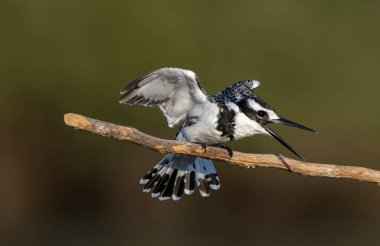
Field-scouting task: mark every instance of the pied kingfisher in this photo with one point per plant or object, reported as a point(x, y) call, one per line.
point(232, 114)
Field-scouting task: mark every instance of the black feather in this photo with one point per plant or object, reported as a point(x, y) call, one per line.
point(134, 84)
point(161, 184)
point(152, 172)
point(152, 182)
point(203, 186)
point(246, 109)
point(190, 181)
point(226, 121)
point(168, 192)
point(212, 180)
point(179, 186)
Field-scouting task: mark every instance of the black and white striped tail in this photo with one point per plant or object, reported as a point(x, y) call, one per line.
point(176, 175)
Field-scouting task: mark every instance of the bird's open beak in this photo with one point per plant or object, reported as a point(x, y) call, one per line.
point(283, 121)
point(282, 141)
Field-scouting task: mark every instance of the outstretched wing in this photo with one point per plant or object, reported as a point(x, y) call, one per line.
point(174, 90)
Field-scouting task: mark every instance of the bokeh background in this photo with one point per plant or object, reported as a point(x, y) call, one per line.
point(318, 63)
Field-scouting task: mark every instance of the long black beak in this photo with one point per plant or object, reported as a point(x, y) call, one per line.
point(283, 121)
point(283, 142)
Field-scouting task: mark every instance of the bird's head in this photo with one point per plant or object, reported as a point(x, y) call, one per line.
point(262, 113)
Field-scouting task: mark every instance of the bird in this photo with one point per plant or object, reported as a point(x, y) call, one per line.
point(234, 113)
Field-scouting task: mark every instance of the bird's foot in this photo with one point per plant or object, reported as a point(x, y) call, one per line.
point(204, 146)
point(229, 150)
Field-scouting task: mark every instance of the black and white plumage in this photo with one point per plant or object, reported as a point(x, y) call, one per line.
point(232, 114)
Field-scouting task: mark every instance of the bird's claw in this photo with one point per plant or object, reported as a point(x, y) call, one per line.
point(229, 150)
point(204, 147)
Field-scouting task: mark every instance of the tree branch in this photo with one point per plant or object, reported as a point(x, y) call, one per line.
point(133, 135)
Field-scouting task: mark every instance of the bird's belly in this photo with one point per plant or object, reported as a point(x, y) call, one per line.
point(203, 133)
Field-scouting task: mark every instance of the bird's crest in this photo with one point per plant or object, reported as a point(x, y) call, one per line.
point(244, 87)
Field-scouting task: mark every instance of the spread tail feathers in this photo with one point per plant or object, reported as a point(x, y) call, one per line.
point(176, 175)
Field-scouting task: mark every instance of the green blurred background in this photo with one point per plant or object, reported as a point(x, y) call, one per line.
point(318, 62)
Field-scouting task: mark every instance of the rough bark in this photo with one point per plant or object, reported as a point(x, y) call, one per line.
point(247, 160)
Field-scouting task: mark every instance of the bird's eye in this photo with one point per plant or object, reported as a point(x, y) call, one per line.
point(261, 113)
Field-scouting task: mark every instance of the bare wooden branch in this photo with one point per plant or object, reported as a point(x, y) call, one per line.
point(242, 159)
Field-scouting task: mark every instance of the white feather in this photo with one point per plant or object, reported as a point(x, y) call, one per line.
point(175, 90)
